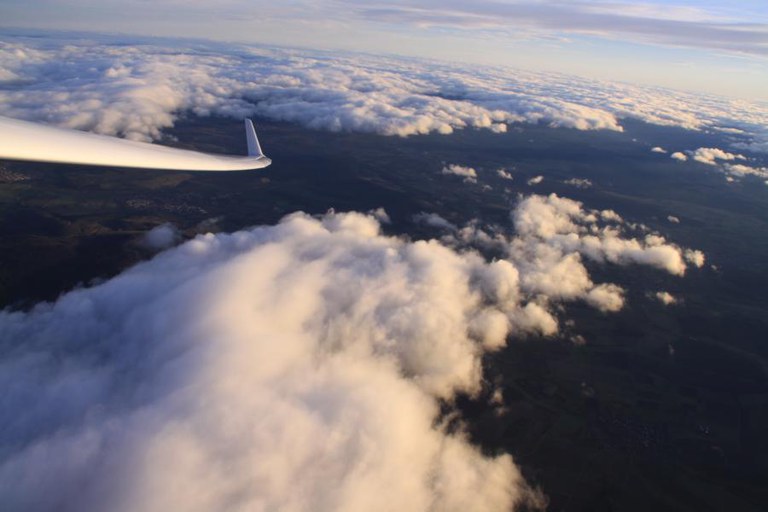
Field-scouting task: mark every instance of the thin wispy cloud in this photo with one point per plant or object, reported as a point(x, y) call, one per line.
point(659, 24)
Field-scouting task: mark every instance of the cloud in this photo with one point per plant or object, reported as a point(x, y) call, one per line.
point(721, 159)
point(296, 366)
point(381, 215)
point(161, 237)
point(677, 155)
point(535, 180)
point(695, 257)
point(658, 149)
point(468, 173)
point(579, 182)
point(504, 174)
point(759, 144)
point(673, 219)
point(553, 237)
point(666, 298)
point(113, 87)
point(289, 367)
point(740, 170)
point(710, 156)
point(433, 220)
point(563, 224)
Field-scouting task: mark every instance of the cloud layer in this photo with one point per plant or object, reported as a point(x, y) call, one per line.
point(660, 24)
point(294, 367)
point(137, 90)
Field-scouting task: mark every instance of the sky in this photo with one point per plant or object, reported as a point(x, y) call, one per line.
point(712, 46)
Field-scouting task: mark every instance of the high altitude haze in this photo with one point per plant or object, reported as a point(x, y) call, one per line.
point(712, 46)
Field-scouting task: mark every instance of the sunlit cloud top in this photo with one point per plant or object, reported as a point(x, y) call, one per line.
point(708, 45)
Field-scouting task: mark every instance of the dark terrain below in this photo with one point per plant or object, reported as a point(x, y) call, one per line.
point(663, 408)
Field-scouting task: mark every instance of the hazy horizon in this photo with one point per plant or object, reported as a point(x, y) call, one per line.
point(699, 46)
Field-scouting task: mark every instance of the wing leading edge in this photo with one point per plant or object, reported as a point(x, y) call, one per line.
point(21, 140)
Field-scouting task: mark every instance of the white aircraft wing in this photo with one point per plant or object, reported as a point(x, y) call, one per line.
point(21, 140)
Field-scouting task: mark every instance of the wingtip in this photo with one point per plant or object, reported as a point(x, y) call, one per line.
point(254, 148)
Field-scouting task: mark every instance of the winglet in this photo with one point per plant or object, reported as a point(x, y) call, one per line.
point(254, 148)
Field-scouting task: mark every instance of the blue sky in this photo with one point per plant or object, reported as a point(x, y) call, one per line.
point(708, 45)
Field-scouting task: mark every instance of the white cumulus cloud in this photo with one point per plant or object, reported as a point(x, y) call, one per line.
point(297, 366)
point(695, 257)
point(666, 298)
point(288, 367)
point(535, 180)
point(710, 156)
point(563, 225)
point(722, 161)
point(468, 173)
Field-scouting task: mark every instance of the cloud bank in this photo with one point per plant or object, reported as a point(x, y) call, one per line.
point(136, 90)
point(295, 367)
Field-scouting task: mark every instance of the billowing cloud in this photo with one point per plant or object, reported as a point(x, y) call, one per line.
point(468, 173)
point(553, 235)
point(658, 149)
point(135, 91)
point(677, 155)
point(563, 224)
point(297, 366)
point(740, 170)
point(710, 156)
point(287, 367)
point(504, 174)
point(695, 257)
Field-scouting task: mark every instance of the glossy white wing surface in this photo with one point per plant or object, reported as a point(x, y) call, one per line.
point(21, 140)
